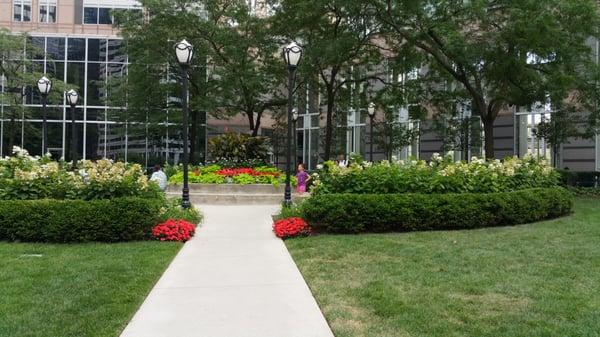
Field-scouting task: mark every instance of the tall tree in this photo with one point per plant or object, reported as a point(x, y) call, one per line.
point(337, 36)
point(233, 70)
point(500, 53)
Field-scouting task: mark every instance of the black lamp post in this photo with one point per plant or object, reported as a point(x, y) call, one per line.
point(72, 97)
point(371, 111)
point(292, 54)
point(295, 119)
point(44, 85)
point(184, 52)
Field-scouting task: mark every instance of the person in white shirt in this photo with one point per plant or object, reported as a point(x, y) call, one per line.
point(342, 162)
point(159, 177)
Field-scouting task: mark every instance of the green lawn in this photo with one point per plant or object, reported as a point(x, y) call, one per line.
point(80, 290)
point(541, 279)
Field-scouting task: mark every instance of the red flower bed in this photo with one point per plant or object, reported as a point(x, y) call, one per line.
point(174, 230)
point(230, 172)
point(291, 227)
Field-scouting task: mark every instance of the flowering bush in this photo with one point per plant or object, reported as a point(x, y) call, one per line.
point(215, 174)
point(174, 230)
point(27, 177)
point(440, 175)
point(291, 227)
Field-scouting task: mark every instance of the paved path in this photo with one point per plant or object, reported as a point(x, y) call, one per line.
point(234, 279)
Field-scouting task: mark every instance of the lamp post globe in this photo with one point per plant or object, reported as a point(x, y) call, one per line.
point(72, 98)
point(292, 54)
point(44, 86)
point(371, 111)
point(184, 52)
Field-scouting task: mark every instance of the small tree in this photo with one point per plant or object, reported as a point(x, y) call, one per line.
point(557, 131)
point(392, 136)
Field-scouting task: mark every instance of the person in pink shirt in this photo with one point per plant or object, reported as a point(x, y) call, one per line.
point(303, 177)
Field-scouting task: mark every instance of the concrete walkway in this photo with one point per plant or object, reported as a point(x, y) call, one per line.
point(234, 279)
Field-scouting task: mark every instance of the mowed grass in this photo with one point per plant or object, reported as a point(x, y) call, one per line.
point(532, 280)
point(79, 290)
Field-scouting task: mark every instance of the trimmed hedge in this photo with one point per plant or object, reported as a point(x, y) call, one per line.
point(354, 213)
point(48, 220)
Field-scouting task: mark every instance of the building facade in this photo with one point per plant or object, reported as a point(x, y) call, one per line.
point(81, 47)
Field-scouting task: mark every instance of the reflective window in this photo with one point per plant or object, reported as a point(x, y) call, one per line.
point(76, 49)
point(104, 16)
point(22, 10)
point(47, 12)
point(90, 15)
point(55, 48)
point(94, 53)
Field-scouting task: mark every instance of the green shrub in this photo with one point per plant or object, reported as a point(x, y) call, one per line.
point(585, 192)
point(46, 220)
point(235, 147)
point(438, 176)
point(173, 210)
point(23, 177)
point(354, 213)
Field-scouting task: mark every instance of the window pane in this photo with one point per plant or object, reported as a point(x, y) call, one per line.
point(90, 15)
point(75, 76)
point(52, 14)
point(94, 141)
point(95, 84)
point(17, 12)
point(77, 49)
point(43, 13)
point(33, 138)
point(26, 12)
point(96, 50)
point(56, 48)
point(104, 17)
point(56, 69)
point(35, 48)
point(116, 52)
point(55, 139)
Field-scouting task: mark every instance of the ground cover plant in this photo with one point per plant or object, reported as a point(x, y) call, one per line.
point(217, 174)
point(76, 290)
point(534, 280)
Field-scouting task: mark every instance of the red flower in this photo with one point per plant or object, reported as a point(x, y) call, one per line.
point(246, 170)
point(174, 230)
point(291, 227)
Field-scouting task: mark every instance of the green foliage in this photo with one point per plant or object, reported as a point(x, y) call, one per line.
point(28, 178)
point(439, 176)
point(238, 147)
point(173, 210)
point(355, 213)
point(494, 55)
point(585, 192)
point(47, 220)
point(201, 178)
point(391, 136)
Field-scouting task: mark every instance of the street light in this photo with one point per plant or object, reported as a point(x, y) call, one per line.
point(44, 85)
point(292, 53)
point(371, 111)
point(184, 52)
point(72, 97)
point(295, 119)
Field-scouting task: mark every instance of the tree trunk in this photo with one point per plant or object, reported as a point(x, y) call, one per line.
point(256, 124)
point(250, 115)
point(329, 124)
point(488, 128)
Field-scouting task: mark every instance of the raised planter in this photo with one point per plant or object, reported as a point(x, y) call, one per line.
point(233, 194)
